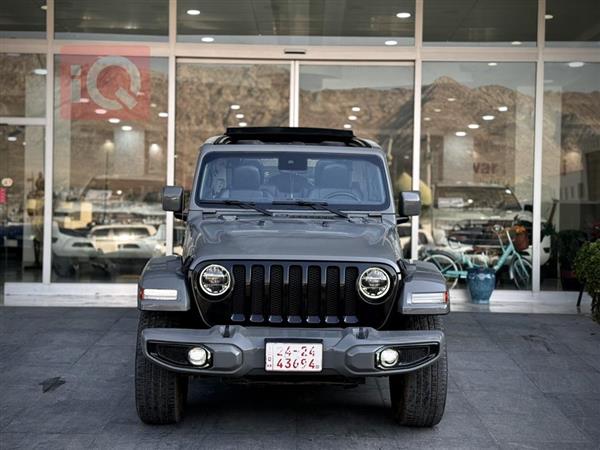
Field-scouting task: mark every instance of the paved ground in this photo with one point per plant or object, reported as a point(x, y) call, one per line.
point(516, 381)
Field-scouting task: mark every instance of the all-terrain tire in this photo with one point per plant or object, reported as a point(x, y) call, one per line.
point(160, 395)
point(419, 397)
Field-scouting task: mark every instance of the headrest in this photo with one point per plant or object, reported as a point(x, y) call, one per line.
point(334, 175)
point(246, 177)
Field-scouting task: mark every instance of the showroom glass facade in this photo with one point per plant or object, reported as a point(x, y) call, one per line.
point(485, 107)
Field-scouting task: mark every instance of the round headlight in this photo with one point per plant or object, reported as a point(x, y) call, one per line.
point(374, 283)
point(214, 280)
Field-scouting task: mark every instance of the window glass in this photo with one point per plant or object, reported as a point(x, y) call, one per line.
point(23, 81)
point(298, 22)
point(21, 202)
point(480, 22)
point(573, 24)
point(375, 102)
point(109, 168)
point(23, 19)
point(477, 165)
point(571, 167)
point(112, 20)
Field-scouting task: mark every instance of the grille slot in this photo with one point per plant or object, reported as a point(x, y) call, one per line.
point(257, 289)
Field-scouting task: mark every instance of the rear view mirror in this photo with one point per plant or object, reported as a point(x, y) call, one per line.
point(409, 204)
point(172, 199)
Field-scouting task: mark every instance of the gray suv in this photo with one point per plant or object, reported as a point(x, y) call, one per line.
point(292, 271)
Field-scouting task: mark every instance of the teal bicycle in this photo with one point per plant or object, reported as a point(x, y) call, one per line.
point(454, 264)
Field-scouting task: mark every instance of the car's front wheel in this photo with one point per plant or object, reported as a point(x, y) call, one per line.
point(160, 395)
point(419, 397)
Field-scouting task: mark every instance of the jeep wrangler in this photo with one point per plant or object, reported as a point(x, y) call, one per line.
point(292, 271)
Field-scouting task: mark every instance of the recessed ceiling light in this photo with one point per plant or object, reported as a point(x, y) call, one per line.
point(163, 114)
point(488, 117)
point(427, 119)
point(234, 107)
point(242, 124)
point(239, 116)
point(100, 111)
point(516, 43)
point(24, 144)
point(40, 71)
point(193, 12)
point(403, 15)
point(460, 133)
point(126, 128)
point(152, 105)
point(451, 99)
point(355, 108)
point(352, 117)
point(391, 42)
point(437, 110)
point(575, 64)
point(548, 16)
point(473, 126)
point(502, 108)
point(492, 64)
point(84, 100)
point(347, 126)
point(44, 7)
point(114, 120)
point(207, 39)
point(12, 138)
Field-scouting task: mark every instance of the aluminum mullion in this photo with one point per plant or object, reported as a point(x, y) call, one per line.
point(294, 93)
point(171, 106)
point(36, 121)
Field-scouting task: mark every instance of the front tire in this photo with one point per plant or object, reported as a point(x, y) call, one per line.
point(419, 397)
point(160, 395)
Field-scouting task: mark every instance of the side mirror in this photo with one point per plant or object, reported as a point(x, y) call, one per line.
point(409, 204)
point(172, 199)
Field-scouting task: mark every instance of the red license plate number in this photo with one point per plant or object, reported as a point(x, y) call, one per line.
point(293, 357)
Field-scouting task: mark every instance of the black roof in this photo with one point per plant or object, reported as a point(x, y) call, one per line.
point(291, 135)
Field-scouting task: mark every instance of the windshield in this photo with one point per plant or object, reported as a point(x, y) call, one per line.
point(476, 198)
point(355, 182)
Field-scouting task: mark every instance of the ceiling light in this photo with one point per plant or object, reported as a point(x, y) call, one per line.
point(163, 114)
point(84, 100)
point(427, 119)
point(40, 71)
point(242, 124)
point(347, 126)
point(403, 15)
point(437, 110)
point(114, 120)
point(516, 43)
point(239, 116)
point(391, 42)
point(460, 133)
point(451, 99)
point(207, 39)
point(126, 128)
point(492, 64)
point(355, 109)
point(473, 126)
point(100, 111)
point(502, 108)
point(12, 138)
point(152, 105)
point(234, 107)
point(44, 7)
point(488, 117)
point(575, 64)
point(548, 16)
point(352, 117)
point(193, 12)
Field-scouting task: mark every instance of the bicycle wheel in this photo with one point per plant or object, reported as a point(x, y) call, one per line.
point(520, 270)
point(446, 265)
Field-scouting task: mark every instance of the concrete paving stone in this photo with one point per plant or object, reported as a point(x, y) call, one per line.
point(492, 380)
point(506, 402)
point(384, 443)
point(65, 337)
point(458, 360)
point(537, 361)
point(30, 375)
point(125, 323)
point(590, 426)
point(465, 329)
point(533, 343)
point(587, 404)
point(589, 346)
point(51, 354)
point(45, 441)
point(109, 354)
point(456, 402)
point(566, 381)
point(239, 441)
point(534, 445)
point(118, 337)
point(471, 344)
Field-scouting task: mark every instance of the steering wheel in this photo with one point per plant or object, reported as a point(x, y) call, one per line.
point(343, 194)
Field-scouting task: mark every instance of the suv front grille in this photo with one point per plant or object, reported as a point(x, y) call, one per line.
point(293, 294)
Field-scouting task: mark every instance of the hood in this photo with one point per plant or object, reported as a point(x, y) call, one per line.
point(293, 239)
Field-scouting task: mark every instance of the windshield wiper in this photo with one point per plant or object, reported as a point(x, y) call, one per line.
point(320, 206)
point(241, 204)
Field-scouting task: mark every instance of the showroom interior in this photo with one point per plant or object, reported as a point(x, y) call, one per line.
point(489, 108)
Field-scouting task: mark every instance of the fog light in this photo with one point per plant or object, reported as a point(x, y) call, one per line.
point(198, 356)
point(389, 357)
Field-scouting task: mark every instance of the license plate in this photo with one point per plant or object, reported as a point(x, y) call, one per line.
point(293, 357)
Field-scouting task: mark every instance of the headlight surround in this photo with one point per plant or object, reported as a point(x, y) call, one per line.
point(373, 284)
point(215, 280)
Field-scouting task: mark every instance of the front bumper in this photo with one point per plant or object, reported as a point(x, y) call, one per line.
point(238, 351)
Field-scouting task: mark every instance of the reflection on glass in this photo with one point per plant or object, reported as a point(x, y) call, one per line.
point(21, 202)
point(303, 22)
point(476, 160)
point(112, 20)
point(23, 19)
point(483, 22)
point(109, 168)
point(573, 24)
point(23, 81)
point(376, 102)
point(571, 165)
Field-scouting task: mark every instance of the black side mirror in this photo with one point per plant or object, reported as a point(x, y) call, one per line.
point(409, 204)
point(172, 199)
